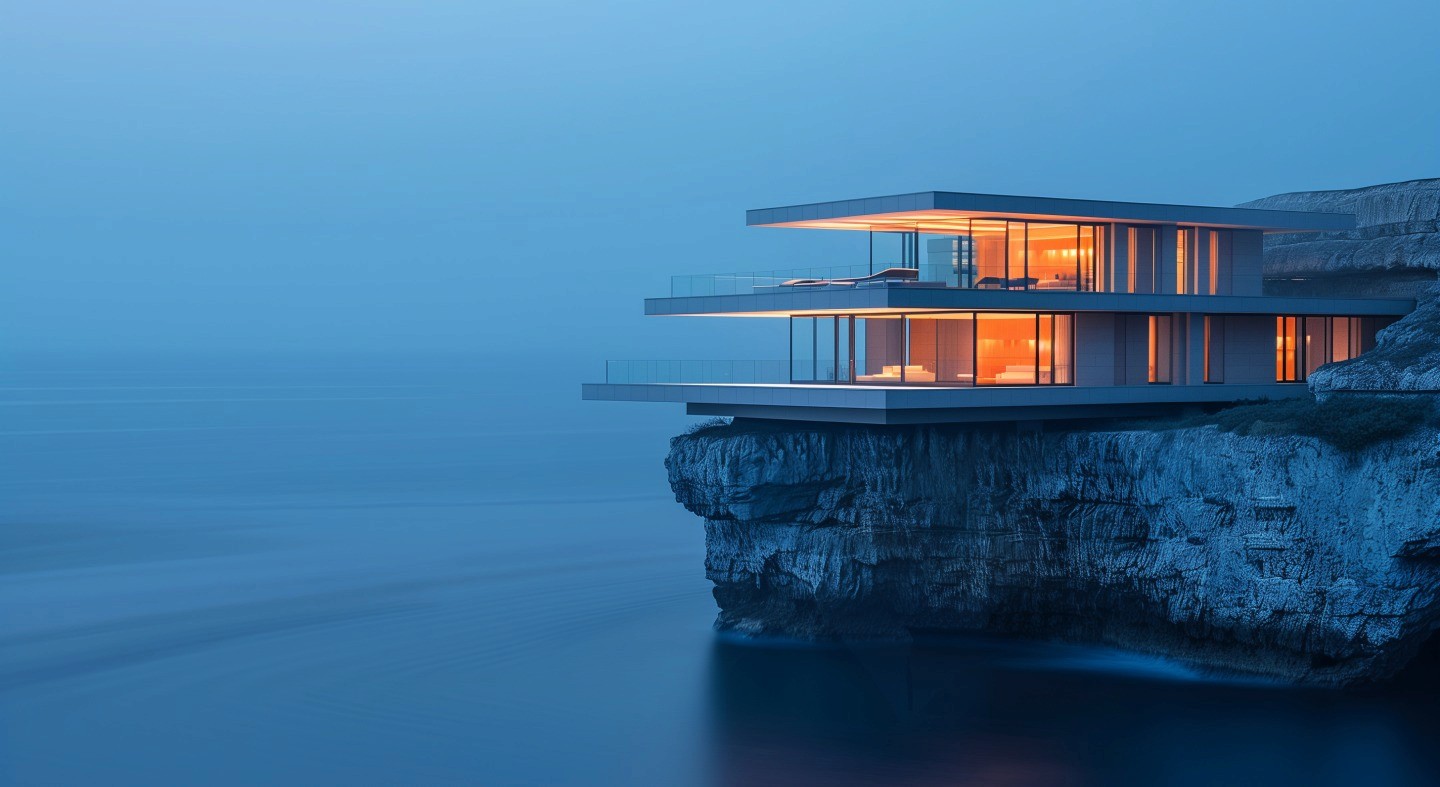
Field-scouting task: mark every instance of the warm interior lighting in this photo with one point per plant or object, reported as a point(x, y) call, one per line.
point(1182, 258)
point(942, 222)
point(1159, 349)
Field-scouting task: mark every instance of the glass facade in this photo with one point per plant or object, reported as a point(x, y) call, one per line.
point(997, 254)
point(1304, 344)
point(1184, 238)
point(1030, 348)
point(1143, 253)
point(815, 344)
point(950, 349)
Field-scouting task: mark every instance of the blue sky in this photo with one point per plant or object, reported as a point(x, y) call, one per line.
point(517, 176)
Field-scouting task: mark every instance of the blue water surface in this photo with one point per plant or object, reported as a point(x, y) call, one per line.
point(373, 569)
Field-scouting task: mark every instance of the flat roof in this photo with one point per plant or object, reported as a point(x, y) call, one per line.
point(944, 212)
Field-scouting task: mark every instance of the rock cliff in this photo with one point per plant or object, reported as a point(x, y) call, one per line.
point(1279, 555)
point(1259, 549)
point(1397, 237)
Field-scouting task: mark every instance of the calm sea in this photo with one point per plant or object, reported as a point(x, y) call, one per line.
point(448, 570)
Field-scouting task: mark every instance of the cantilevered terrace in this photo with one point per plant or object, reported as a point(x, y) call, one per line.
point(964, 307)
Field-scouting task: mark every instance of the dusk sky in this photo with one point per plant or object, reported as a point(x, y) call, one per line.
point(517, 176)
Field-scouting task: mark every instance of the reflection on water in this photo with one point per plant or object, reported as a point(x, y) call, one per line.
point(1030, 713)
point(264, 570)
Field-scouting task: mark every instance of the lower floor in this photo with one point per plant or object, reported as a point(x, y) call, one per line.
point(872, 404)
point(970, 349)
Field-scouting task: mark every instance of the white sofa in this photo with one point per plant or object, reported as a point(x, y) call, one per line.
point(1021, 375)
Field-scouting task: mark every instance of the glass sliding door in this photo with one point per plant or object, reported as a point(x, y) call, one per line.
point(1056, 347)
point(955, 361)
point(949, 259)
point(1006, 349)
point(879, 349)
point(802, 349)
point(1052, 252)
point(1016, 277)
point(921, 350)
point(940, 349)
point(988, 238)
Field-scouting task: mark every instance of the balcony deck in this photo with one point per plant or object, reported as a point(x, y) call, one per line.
point(875, 404)
point(783, 301)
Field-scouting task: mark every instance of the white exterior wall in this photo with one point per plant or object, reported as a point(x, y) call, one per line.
point(1094, 349)
point(1190, 364)
point(1166, 260)
point(1247, 263)
point(1249, 349)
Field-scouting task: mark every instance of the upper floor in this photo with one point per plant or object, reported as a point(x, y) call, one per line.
point(994, 251)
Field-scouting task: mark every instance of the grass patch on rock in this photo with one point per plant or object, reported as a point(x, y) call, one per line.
point(1351, 423)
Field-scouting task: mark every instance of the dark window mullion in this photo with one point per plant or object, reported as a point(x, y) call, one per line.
point(1035, 330)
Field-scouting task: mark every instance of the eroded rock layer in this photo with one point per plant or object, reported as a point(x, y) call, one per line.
point(1274, 555)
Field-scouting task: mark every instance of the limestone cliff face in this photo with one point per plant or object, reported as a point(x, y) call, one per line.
point(1398, 231)
point(1275, 554)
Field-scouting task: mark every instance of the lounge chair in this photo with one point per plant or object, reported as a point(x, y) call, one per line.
point(889, 274)
point(1001, 283)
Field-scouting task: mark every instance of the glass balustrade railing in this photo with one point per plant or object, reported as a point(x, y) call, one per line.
point(740, 372)
point(746, 283)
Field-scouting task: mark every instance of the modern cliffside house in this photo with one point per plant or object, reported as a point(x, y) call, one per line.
point(978, 307)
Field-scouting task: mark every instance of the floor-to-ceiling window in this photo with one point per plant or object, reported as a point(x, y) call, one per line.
point(1005, 349)
point(1094, 264)
point(1142, 254)
point(816, 346)
point(1052, 254)
point(1344, 338)
point(1159, 366)
point(949, 259)
point(947, 348)
point(955, 348)
point(1214, 349)
point(1024, 349)
point(1287, 350)
point(1304, 344)
point(1184, 237)
point(879, 348)
point(990, 250)
point(1001, 254)
point(1015, 244)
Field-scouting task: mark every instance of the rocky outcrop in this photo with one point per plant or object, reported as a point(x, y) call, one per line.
point(1273, 555)
point(1397, 235)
